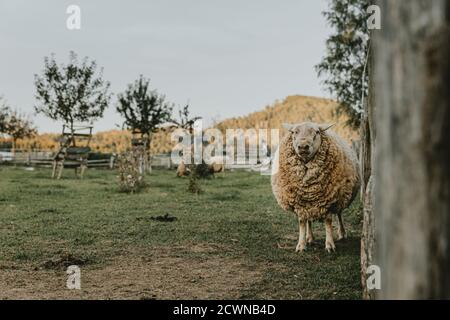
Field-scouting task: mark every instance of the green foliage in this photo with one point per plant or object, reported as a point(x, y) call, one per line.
point(343, 66)
point(15, 124)
point(203, 171)
point(194, 184)
point(198, 171)
point(19, 126)
point(143, 109)
point(72, 92)
point(4, 113)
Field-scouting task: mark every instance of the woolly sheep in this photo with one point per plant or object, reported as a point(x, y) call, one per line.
point(217, 163)
point(315, 175)
point(216, 166)
point(182, 170)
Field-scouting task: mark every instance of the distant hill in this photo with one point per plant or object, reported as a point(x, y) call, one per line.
point(294, 109)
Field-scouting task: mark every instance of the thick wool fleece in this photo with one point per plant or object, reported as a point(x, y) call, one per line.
point(326, 184)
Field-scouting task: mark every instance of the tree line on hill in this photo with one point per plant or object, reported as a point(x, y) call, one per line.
point(293, 109)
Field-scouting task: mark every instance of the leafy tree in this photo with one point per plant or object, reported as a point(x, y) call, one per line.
point(72, 92)
point(343, 66)
point(144, 110)
point(4, 113)
point(19, 126)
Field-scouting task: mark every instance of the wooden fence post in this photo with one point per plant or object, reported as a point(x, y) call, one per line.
point(412, 153)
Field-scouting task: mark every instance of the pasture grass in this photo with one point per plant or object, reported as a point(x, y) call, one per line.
point(231, 241)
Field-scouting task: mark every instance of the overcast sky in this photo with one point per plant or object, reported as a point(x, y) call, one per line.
point(226, 57)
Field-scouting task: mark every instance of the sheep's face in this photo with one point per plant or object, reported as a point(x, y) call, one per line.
point(306, 138)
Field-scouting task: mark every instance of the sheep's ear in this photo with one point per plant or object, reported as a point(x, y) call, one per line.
point(325, 127)
point(288, 126)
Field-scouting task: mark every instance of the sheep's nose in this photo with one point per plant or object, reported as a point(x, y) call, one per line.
point(304, 148)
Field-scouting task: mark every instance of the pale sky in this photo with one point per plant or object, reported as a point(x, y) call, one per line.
point(226, 57)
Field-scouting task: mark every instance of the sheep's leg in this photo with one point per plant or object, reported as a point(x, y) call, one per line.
point(329, 243)
point(301, 246)
point(309, 233)
point(341, 229)
point(82, 170)
point(55, 164)
point(60, 169)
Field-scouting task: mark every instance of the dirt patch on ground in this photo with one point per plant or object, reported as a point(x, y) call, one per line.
point(184, 272)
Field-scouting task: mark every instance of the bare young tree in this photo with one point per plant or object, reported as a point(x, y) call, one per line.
point(185, 120)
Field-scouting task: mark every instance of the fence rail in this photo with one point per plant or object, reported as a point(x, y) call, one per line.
point(45, 159)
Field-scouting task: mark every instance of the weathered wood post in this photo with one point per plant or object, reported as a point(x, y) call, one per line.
point(412, 151)
point(367, 184)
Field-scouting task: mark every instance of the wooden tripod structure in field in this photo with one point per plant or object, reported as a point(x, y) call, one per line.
point(73, 151)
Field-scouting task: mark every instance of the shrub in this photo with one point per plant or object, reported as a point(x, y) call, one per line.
point(130, 177)
point(194, 185)
point(203, 171)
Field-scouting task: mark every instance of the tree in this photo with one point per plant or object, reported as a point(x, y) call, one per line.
point(185, 121)
point(72, 92)
point(144, 110)
point(412, 151)
point(19, 126)
point(344, 65)
point(4, 114)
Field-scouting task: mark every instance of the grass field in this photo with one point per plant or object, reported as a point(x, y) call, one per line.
point(232, 241)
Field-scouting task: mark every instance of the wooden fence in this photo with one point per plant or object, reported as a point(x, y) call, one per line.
point(45, 159)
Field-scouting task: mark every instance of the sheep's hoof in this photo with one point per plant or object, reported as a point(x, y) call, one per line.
point(310, 240)
point(341, 237)
point(300, 248)
point(330, 248)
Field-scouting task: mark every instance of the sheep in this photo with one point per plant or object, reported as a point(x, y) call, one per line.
point(182, 170)
point(315, 175)
point(217, 163)
point(214, 167)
